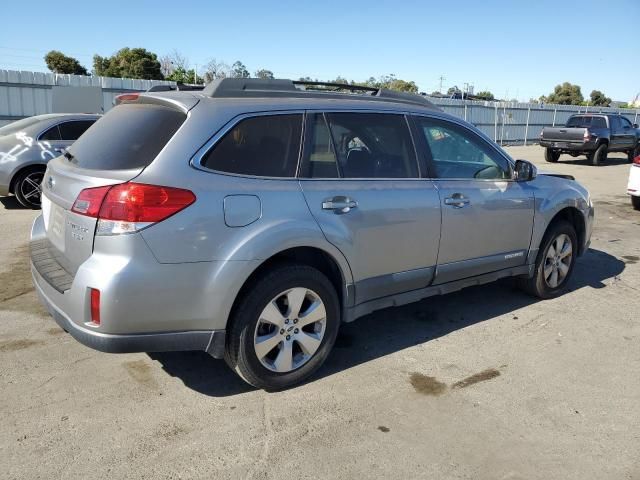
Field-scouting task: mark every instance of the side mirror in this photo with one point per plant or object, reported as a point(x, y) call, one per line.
point(525, 171)
point(635, 125)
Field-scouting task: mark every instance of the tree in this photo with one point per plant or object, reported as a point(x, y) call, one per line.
point(566, 94)
point(485, 95)
point(238, 70)
point(129, 63)
point(182, 76)
point(173, 61)
point(599, 99)
point(452, 90)
point(262, 73)
point(215, 69)
point(58, 62)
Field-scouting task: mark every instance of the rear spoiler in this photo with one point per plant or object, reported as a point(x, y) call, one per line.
point(179, 101)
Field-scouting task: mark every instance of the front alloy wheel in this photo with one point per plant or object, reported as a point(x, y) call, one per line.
point(558, 261)
point(554, 262)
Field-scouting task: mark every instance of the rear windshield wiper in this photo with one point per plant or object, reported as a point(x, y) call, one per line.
point(69, 156)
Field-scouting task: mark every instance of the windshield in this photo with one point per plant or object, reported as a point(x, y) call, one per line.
point(15, 127)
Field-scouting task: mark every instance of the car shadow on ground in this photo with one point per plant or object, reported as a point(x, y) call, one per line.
point(618, 159)
point(11, 203)
point(393, 329)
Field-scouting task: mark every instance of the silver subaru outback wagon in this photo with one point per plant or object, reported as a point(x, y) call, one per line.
point(250, 219)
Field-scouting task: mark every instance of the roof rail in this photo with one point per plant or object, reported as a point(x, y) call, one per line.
point(257, 87)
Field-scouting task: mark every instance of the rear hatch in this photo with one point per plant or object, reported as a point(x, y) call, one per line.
point(114, 150)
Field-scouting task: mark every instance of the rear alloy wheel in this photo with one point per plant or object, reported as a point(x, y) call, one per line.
point(27, 188)
point(284, 328)
point(554, 263)
point(600, 155)
point(551, 155)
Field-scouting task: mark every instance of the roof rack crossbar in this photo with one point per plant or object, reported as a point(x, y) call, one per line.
point(337, 86)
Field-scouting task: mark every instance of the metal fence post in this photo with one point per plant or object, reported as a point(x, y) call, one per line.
point(465, 112)
point(495, 126)
point(526, 128)
point(635, 119)
point(555, 110)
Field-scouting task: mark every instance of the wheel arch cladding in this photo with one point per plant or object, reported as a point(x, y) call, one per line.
point(314, 257)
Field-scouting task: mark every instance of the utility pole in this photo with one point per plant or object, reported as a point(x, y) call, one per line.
point(442, 79)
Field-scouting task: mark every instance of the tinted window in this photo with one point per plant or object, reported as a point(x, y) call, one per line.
point(266, 146)
point(52, 134)
point(73, 130)
point(320, 158)
point(372, 145)
point(615, 123)
point(625, 123)
point(458, 153)
point(128, 136)
point(587, 121)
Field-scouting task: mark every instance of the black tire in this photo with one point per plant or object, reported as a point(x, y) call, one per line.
point(538, 285)
point(240, 352)
point(635, 201)
point(23, 186)
point(600, 155)
point(551, 155)
point(631, 154)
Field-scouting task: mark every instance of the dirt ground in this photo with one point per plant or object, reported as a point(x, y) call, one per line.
point(486, 383)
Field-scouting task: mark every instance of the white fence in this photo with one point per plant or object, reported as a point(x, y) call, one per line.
point(23, 94)
point(510, 123)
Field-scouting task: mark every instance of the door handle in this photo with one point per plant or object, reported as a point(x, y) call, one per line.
point(339, 204)
point(457, 200)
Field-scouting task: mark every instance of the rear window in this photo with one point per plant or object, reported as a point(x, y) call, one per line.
point(264, 146)
point(586, 121)
point(128, 136)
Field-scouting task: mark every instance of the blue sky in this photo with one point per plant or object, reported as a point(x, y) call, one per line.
point(516, 49)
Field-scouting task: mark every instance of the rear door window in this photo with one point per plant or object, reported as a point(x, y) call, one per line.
point(128, 136)
point(361, 145)
point(264, 146)
point(72, 130)
point(52, 134)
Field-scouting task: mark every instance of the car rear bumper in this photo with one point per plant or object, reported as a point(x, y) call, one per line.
point(633, 187)
point(569, 146)
point(145, 306)
point(211, 341)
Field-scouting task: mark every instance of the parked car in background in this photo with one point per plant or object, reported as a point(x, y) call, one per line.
point(250, 219)
point(27, 145)
point(633, 188)
point(593, 135)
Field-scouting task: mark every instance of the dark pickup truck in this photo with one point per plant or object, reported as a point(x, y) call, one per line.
point(591, 135)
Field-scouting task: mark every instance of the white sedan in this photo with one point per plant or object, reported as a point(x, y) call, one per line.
point(633, 188)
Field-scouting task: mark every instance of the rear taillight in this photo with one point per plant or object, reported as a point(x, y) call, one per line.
point(89, 201)
point(129, 207)
point(636, 161)
point(95, 305)
point(587, 135)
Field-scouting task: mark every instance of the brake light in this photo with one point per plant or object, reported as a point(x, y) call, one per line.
point(127, 97)
point(129, 207)
point(89, 201)
point(587, 135)
point(636, 161)
point(95, 305)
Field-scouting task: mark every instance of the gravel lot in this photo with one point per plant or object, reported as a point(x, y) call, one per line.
point(486, 383)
